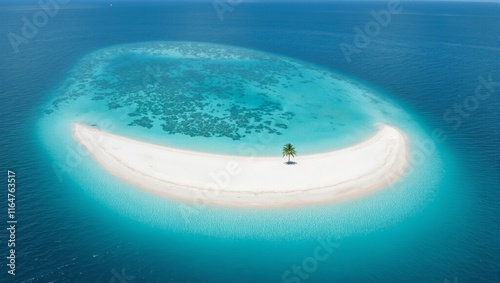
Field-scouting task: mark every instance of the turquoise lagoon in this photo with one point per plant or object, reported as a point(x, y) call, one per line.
point(232, 100)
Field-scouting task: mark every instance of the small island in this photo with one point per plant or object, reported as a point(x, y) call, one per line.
point(250, 181)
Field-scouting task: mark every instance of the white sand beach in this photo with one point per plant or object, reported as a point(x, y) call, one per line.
point(250, 181)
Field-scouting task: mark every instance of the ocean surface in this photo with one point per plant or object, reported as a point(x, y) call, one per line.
point(245, 81)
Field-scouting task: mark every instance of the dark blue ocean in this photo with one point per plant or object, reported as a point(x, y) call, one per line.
point(440, 61)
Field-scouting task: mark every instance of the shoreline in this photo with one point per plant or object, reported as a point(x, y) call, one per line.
point(250, 181)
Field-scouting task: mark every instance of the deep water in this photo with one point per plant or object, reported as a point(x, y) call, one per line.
point(440, 223)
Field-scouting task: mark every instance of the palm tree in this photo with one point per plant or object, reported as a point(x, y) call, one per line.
point(288, 150)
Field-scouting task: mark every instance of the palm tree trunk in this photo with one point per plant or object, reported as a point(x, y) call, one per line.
point(288, 158)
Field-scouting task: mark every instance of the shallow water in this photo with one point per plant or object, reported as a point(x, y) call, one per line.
point(219, 98)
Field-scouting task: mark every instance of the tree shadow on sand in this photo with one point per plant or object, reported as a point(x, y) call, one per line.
point(290, 163)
